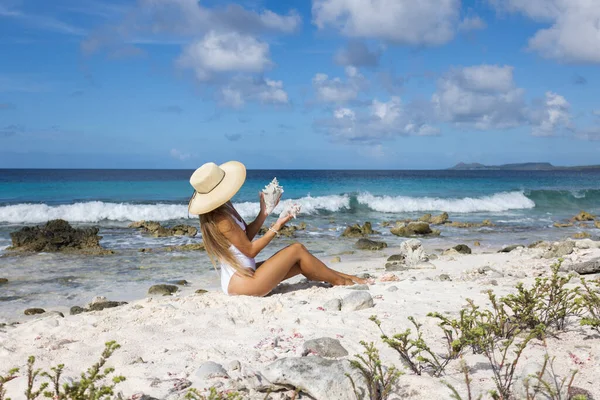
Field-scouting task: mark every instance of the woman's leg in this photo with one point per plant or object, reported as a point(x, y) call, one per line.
point(283, 265)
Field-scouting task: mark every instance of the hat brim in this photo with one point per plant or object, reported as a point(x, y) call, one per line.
point(235, 176)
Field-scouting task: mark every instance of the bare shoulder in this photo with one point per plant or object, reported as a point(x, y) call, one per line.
point(225, 223)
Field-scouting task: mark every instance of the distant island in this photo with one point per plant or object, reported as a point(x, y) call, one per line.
point(530, 166)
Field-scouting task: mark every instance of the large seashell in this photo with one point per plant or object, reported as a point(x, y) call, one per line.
point(272, 194)
point(292, 209)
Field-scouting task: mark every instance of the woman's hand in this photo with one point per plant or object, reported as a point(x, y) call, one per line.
point(263, 205)
point(281, 222)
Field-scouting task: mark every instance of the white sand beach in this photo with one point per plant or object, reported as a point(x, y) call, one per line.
point(167, 341)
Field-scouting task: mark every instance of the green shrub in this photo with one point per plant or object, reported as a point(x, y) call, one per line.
point(214, 394)
point(380, 380)
point(547, 384)
point(589, 302)
point(464, 368)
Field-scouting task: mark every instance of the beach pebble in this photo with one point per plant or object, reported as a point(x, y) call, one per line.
point(76, 310)
point(319, 378)
point(392, 289)
point(358, 287)
point(234, 365)
point(324, 347)
point(3, 280)
point(336, 259)
point(333, 305)
point(105, 304)
point(462, 249)
point(357, 301)
point(201, 291)
point(181, 282)
point(388, 277)
point(368, 244)
point(476, 243)
point(211, 369)
point(162, 289)
point(34, 311)
point(445, 277)
point(510, 248)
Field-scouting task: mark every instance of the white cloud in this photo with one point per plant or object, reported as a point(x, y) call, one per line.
point(423, 22)
point(242, 89)
point(225, 52)
point(472, 24)
point(553, 117)
point(179, 155)
point(380, 121)
point(574, 32)
point(482, 97)
point(335, 90)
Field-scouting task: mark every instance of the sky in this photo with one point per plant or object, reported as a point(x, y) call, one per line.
point(321, 84)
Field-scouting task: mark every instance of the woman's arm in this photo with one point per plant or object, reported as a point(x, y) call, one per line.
point(237, 237)
point(253, 228)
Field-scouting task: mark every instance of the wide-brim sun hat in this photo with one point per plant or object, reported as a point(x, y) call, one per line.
point(214, 185)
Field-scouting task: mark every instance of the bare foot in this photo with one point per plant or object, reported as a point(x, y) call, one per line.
point(354, 279)
point(343, 281)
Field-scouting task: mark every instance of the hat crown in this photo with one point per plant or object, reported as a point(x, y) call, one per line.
point(207, 177)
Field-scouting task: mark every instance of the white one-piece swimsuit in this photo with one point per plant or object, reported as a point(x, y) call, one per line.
point(227, 271)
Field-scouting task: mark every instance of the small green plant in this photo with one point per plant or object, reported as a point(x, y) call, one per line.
point(414, 351)
point(458, 332)
point(32, 374)
point(589, 302)
point(213, 394)
point(548, 302)
point(380, 380)
point(85, 388)
point(464, 368)
point(10, 375)
point(547, 384)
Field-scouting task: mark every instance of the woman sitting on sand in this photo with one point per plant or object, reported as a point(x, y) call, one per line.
point(228, 239)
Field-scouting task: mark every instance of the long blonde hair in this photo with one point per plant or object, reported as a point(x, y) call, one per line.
point(215, 243)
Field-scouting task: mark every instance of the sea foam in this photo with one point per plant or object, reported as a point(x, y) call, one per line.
point(96, 211)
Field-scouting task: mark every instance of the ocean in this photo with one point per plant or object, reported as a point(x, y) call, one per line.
point(523, 205)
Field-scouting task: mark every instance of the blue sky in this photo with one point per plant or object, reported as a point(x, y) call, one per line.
point(298, 84)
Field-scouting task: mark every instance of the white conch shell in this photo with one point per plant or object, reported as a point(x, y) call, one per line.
point(293, 210)
point(272, 194)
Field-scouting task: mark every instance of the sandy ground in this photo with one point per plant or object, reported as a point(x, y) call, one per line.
point(165, 340)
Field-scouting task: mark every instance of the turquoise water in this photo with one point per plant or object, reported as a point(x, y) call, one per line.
point(522, 204)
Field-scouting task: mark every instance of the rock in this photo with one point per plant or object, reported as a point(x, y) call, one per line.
point(476, 243)
point(98, 299)
point(157, 230)
point(412, 252)
point(581, 235)
point(562, 225)
point(367, 244)
point(586, 267)
point(425, 218)
point(34, 311)
point(444, 277)
point(234, 365)
point(412, 229)
point(484, 269)
point(457, 224)
point(333, 305)
point(162, 289)
point(510, 248)
point(324, 347)
point(392, 289)
point(210, 370)
point(560, 249)
point(318, 377)
point(201, 291)
point(597, 224)
point(287, 231)
point(336, 259)
point(584, 216)
point(76, 310)
point(357, 301)
point(450, 252)
point(58, 235)
point(181, 282)
point(356, 230)
point(358, 287)
point(462, 249)
point(397, 257)
point(3, 281)
point(439, 219)
point(388, 277)
point(106, 304)
point(587, 244)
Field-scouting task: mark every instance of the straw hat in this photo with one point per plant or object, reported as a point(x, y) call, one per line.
point(215, 185)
